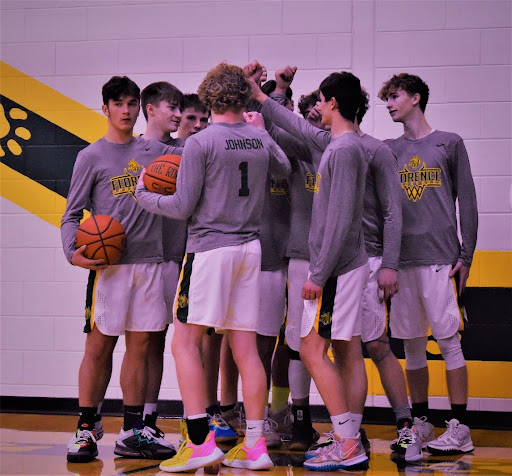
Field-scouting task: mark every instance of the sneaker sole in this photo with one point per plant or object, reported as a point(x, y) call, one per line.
point(451, 451)
point(74, 458)
point(127, 453)
point(329, 465)
point(215, 458)
point(263, 462)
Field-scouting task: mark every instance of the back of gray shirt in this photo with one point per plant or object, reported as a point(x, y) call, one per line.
point(221, 185)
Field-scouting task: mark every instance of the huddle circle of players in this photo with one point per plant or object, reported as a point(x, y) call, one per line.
point(281, 228)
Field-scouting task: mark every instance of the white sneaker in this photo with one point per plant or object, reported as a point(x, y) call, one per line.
point(455, 440)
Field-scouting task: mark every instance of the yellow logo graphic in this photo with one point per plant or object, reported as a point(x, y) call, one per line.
point(278, 187)
point(87, 312)
point(126, 183)
point(5, 127)
point(182, 301)
point(313, 182)
point(414, 182)
point(326, 318)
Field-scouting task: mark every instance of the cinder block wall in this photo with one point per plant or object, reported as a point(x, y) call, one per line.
point(461, 48)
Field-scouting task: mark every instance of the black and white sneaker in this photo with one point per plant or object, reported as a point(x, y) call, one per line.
point(82, 447)
point(142, 442)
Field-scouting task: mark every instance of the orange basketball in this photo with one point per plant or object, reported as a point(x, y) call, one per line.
point(104, 236)
point(160, 176)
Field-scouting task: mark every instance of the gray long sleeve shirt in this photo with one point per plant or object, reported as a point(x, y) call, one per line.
point(434, 172)
point(336, 238)
point(221, 185)
point(104, 179)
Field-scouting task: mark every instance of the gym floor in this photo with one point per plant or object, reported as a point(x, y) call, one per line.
point(36, 445)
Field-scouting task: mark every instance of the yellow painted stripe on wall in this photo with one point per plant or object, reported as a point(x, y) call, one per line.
point(51, 105)
point(32, 196)
point(486, 379)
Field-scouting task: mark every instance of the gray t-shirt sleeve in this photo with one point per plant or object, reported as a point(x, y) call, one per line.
point(279, 166)
point(339, 205)
point(387, 184)
point(295, 125)
point(291, 146)
point(82, 182)
point(466, 195)
point(189, 184)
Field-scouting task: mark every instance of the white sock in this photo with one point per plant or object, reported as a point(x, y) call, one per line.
point(357, 419)
point(253, 432)
point(149, 408)
point(342, 424)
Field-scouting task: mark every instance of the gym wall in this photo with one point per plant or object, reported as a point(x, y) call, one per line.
point(56, 55)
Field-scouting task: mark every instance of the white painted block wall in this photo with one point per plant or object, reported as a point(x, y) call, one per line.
point(461, 48)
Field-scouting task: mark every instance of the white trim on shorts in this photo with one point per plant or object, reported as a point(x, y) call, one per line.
point(298, 271)
point(374, 312)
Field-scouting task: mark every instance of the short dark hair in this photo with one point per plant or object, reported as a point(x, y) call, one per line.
point(410, 83)
point(192, 101)
point(308, 101)
point(346, 89)
point(364, 105)
point(117, 87)
point(154, 93)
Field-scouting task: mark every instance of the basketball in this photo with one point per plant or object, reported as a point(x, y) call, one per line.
point(104, 236)
point(160, 176)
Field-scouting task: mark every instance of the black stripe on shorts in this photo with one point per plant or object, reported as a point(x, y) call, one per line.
point(88, 301)
point(184, 288)
point(326, 308)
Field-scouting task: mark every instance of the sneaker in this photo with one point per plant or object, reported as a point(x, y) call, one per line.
point(325, 440)
point(223, 432)
point(455, 440)
point(249, 458)
point(98, 428)
point(411, 441)
point(183, 431)
point(191, 457)
point(235, 419)
point(365, 441)
point(141, 443)
point(303, 437)
point(158, 435)
point(82, 447)
point(424, 430)
point(341, 453)
point(272, 438)
point(284, 420)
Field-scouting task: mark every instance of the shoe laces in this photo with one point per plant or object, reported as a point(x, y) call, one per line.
point(84, 436)
point(233, 452)
point(269, 425)
point(451, 431)
point(406, 436)
point(219, 421)
point(147, 432)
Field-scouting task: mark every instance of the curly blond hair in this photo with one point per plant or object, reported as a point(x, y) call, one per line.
point(225, 89)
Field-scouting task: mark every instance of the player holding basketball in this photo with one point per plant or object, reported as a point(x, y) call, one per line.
point(434, 172)
point(161, 104)
point(118, 296)
point(220, 188)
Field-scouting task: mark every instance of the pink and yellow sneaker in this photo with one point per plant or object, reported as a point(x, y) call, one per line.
point(190, 456)
point(249, 458)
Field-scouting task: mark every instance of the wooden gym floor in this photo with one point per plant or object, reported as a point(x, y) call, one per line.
point(36, 445)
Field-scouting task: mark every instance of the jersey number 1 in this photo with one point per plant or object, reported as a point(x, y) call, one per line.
point(243, 191)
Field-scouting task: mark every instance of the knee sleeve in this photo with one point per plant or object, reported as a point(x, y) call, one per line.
point(451, 351)
point(415, 353)
point(298, 379)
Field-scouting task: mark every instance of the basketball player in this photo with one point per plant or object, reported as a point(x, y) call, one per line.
point(220, 189)
point(194, 117)
point(434, 172)
point(162, 104)
point(116, 303)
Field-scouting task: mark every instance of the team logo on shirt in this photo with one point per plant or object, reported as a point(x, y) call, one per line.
point(278, 187)
point(313, 182)
point(416, 176)
point(125, 184)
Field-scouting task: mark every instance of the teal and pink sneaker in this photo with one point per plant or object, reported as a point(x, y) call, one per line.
point(223, 432)
point(249, 458)
point(191, 457)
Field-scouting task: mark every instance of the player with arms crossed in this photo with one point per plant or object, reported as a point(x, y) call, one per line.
point(116, 302)
point(434, 172)
point(220, 189)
